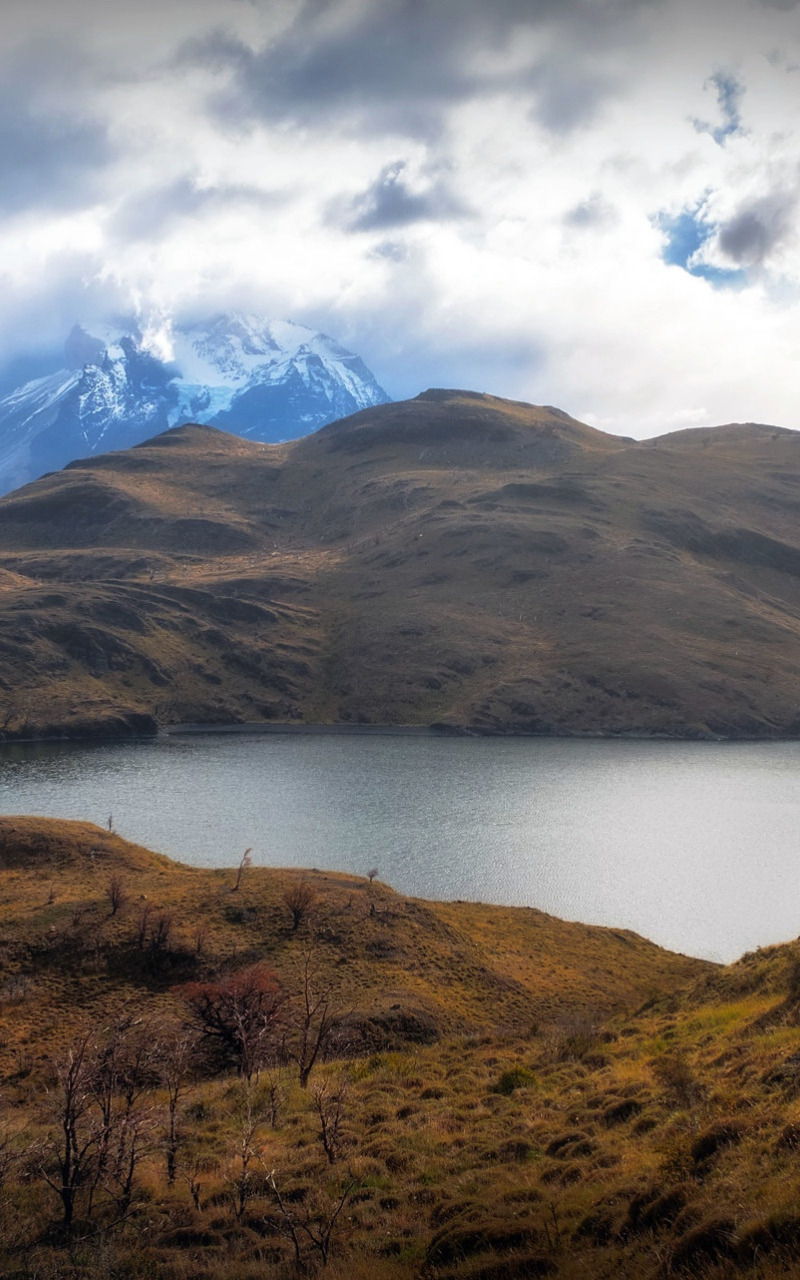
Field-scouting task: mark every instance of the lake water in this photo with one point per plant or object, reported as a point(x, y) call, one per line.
point(695, 845)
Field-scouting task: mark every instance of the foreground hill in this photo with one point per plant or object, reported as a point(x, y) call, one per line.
point(454, 560)
point(450, 966)
point(498, 1101)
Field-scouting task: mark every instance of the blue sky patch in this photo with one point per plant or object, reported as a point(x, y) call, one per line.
point(729, 92)
point(686, 234)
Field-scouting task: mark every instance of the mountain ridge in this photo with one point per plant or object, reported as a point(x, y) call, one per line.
point(458, 561)
point(269, 380)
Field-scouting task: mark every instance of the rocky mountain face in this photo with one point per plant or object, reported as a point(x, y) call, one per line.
point(267, 380)
point(456, 560)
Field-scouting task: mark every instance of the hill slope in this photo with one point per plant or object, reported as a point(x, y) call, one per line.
point(465, 967)
point(516, 1096)
point(455, 560)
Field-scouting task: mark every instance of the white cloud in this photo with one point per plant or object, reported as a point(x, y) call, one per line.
point(518, 250)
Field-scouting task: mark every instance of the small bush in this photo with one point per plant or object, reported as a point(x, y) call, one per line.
point(779, 1232)
point(711, 1241)
point(714, 1140)
point(621, 1112)
point(515, 1078)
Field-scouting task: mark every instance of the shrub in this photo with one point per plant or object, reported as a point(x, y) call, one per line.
point(515, 1078)
point(241, 1014)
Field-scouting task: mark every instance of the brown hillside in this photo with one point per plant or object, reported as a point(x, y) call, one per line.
point(506, 1095)
point(456, 560)
point(457, 967)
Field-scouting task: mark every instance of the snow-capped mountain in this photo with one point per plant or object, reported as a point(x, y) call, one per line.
point(266, 379)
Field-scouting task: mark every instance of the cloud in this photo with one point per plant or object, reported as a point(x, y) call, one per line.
point(53, 148)
point(402, 63)
point(757, 228)
point(393, 200)
point(567, 93)
point(514, 196)
point(594, 211)
point(155, 212)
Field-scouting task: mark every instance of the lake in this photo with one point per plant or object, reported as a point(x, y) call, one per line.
point(695, 845)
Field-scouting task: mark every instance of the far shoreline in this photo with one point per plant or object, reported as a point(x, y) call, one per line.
point(351, 729)
point(458, 731)
point(369, 730)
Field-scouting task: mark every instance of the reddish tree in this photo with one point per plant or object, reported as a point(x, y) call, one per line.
point(240, 1013)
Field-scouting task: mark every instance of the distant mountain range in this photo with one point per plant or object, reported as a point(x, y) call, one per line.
point(268, 380)
point(455, 560)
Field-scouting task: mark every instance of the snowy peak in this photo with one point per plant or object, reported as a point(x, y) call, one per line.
point(237, 346)
point(266, 379)
point(82, 348)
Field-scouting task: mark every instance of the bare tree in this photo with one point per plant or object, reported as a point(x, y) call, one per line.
point(329, 1103)
point(116, 893)
point(143, 926)
point(101, 1121)
point(247, 861)
point(310, 1224)
point(311, 1019)
point(275, 1099)
point(70, 1153)
point(175, 1053)
point(191, 1176)
point(371, 874)
point(243, 1182)
point(124, 1072)
point(161, 933)
point(300, 899)
point(241, 1014)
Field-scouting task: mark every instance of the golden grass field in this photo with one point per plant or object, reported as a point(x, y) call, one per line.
point(517, 1096)
point(456, 560)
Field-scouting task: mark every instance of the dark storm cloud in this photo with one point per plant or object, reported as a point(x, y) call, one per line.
point(48, 160)
point(156, 211)
point(398, 65)
point(757, 228)
point(391, 202)
point(52, 147)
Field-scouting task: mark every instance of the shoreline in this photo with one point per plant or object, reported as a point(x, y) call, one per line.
point(256, 727)
point(437, 730)
point(456, 731)
point(356, 730)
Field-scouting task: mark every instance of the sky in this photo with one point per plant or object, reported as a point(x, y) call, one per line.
point(591, 204)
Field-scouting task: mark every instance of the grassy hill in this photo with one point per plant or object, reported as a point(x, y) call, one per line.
point(453, 560)
point(458, 966)
point(513, 1096)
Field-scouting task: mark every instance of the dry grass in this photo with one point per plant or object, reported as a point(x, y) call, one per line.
point(382, 949)
point(658, 1137)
